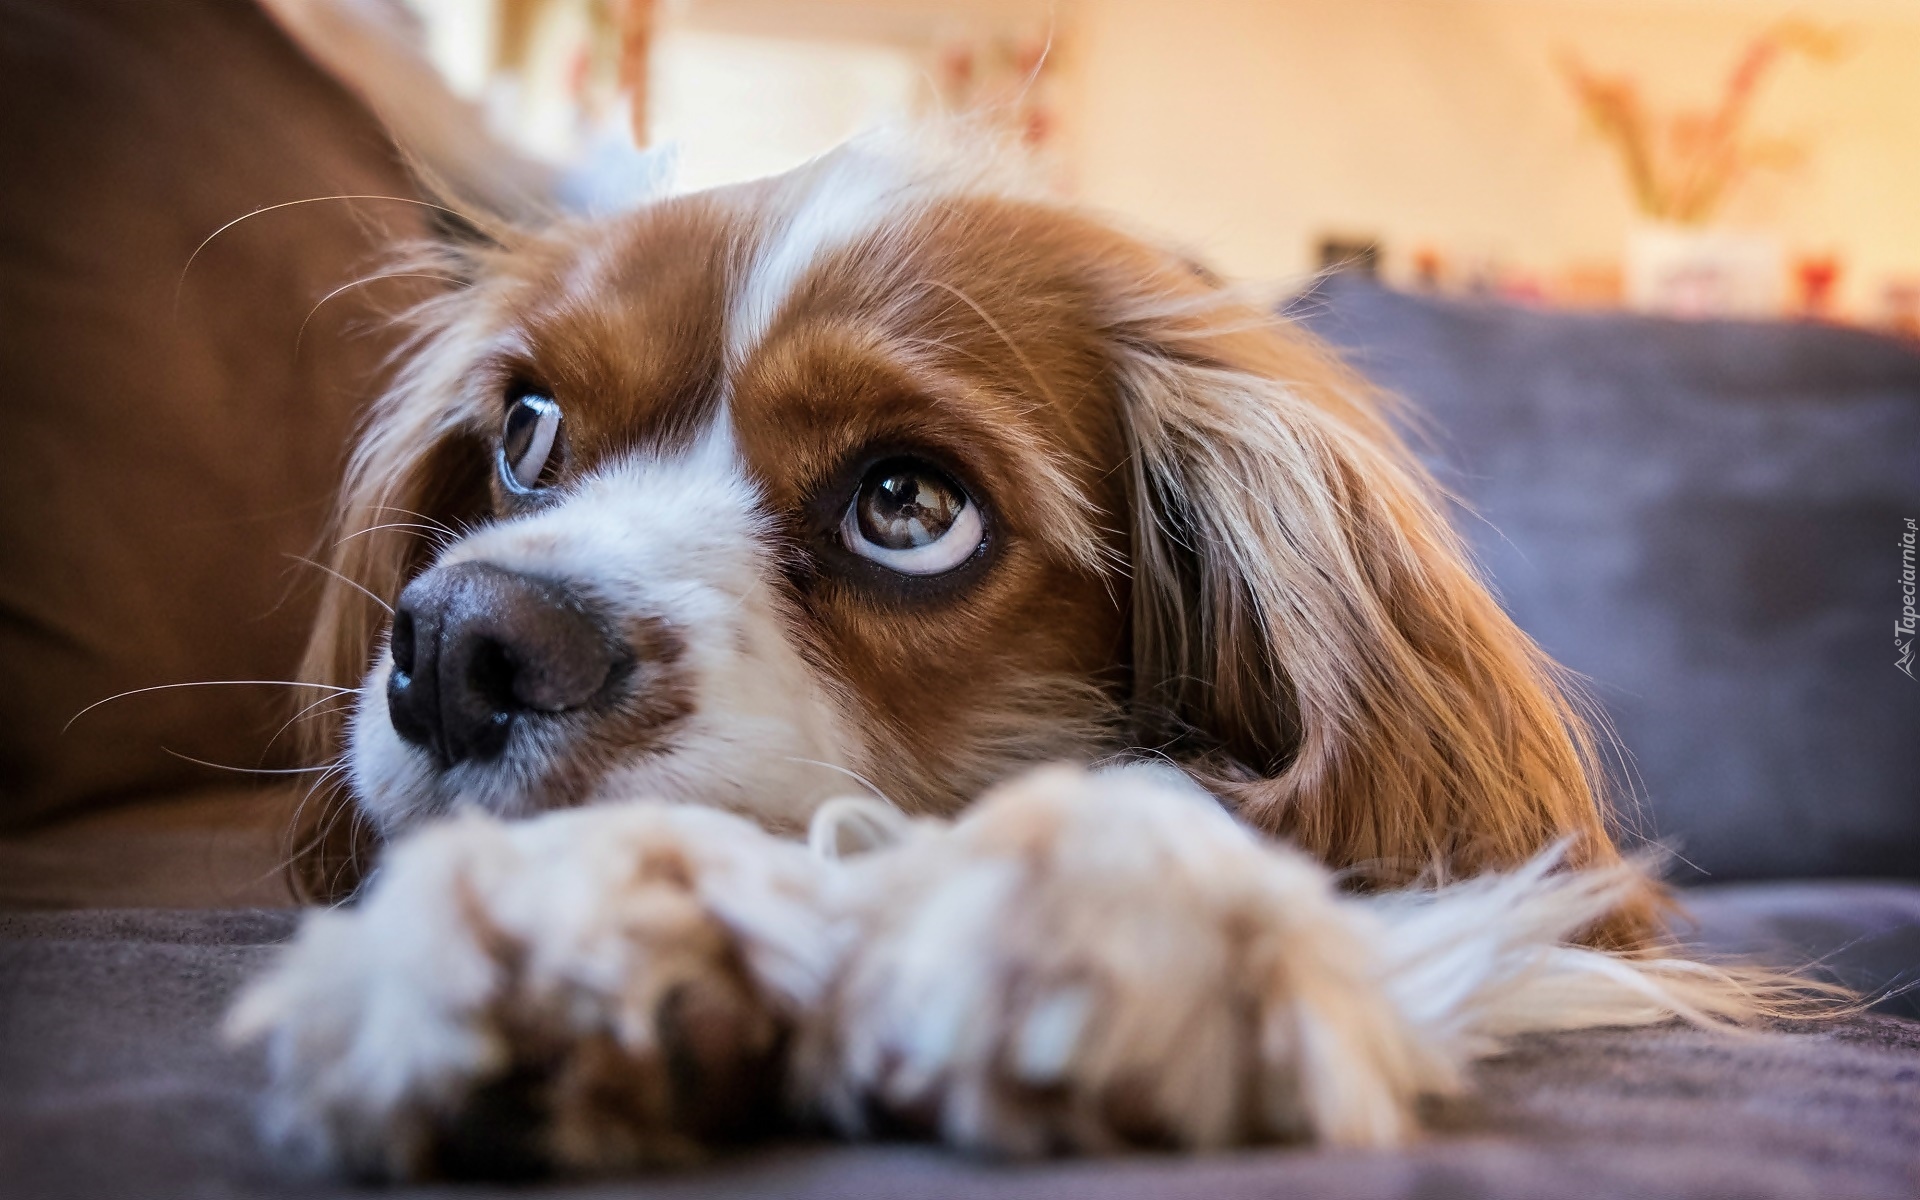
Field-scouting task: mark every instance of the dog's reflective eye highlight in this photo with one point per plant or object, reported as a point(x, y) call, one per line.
point(910, 517)
point(530, 446)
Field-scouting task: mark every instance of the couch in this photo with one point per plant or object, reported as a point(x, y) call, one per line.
point(1697, 518)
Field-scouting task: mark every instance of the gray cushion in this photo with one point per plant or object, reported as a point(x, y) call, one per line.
point(112, 1085)
point(1703, 519)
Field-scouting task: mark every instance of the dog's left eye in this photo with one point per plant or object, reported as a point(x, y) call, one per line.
point(530, 445)
point(912, 518)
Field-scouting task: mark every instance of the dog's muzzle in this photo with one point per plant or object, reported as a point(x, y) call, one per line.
point(477, 649)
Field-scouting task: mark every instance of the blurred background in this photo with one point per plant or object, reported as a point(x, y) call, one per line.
point(1698, 157)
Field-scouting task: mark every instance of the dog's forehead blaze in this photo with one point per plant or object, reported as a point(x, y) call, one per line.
point(965, 329)
point(944, 295)
point(962, 327)
point(911, 337)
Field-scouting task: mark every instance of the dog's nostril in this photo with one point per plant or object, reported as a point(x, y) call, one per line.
point(400, 642)
point(490, 675)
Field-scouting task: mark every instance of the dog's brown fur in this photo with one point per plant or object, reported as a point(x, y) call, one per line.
point(1209, 543)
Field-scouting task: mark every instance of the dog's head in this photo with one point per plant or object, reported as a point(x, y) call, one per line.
point(873, 476)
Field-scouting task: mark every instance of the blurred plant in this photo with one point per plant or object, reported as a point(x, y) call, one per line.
point(586, 55)
point(1683, 165)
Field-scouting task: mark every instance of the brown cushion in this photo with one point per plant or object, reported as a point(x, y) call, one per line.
point(217, 847)
point(166, 448)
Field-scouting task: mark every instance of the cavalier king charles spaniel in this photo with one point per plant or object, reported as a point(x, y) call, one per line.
point(867, 649)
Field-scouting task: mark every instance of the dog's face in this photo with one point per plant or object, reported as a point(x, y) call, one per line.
point(787, 487)
point(860, 477)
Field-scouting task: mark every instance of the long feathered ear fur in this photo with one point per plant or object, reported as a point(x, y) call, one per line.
point(1309, 635)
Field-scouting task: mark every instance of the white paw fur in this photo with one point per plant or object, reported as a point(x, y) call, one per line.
point(552, 954)
point(1082, 962)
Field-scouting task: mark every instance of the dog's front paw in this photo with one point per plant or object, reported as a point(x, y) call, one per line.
point(1090, 961)
point(585, 991)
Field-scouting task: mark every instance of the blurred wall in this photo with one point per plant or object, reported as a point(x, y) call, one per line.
point(1248, 128)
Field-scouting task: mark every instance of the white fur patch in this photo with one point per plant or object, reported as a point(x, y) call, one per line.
point(675, 539)
point(1074, 938)
point(841, 198)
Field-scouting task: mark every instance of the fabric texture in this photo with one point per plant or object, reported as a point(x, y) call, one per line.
point(116, 1086)
point(1861, 935)
point(220, 847)
point(174, 436)
point(1702, 519)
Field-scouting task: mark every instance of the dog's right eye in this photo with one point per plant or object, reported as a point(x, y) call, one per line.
point(530, 445)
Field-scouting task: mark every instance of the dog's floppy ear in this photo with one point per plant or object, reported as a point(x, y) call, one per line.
point(1308, 632)
point(417, 478)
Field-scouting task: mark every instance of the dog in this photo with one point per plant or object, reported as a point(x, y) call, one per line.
point(718, 591)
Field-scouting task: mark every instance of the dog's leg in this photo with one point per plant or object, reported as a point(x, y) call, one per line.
point(1086, 961)
point(585, 991)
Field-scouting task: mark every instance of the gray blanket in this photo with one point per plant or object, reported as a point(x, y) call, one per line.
point(112, 1084)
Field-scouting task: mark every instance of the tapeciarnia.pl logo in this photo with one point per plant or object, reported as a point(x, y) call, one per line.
point(1904, 627)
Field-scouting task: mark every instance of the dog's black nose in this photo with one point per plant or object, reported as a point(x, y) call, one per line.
point(476, 648)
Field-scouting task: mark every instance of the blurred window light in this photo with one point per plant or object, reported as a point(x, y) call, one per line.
point(735, 106)
point(736, 89)
point(460, 38)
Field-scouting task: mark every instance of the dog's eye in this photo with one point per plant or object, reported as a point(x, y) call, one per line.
point(530, 447)
point(912, 518)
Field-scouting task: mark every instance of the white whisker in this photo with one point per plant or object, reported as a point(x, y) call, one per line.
point(246, 770)
point(181, 284)
point(862, 780)
point(300, 336)
point(290, 721)
point(363, 590)
point(390, 525)
point(435, 522)
point(162, 687)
